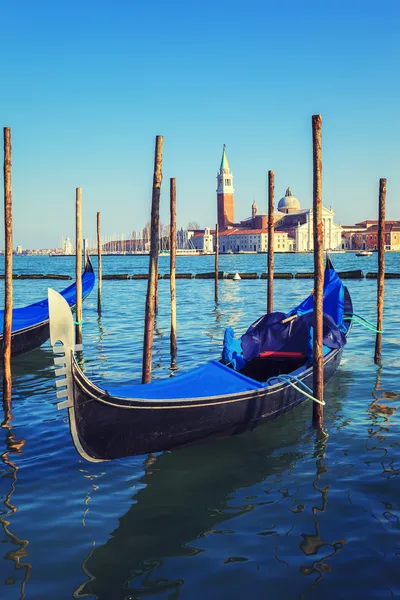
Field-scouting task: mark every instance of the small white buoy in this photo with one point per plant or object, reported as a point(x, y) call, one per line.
point(236, 276)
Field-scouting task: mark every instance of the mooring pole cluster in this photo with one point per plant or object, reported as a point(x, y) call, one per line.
point(8, 289)
point(153, 261)
point(318, 358)
point(271, 238)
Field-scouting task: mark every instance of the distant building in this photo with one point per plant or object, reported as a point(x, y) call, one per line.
point(67, 248)
point(364, 236)
point(293, 224)
point(298, 223)
point(19, 249)
point(252, 240)
point(225, 194)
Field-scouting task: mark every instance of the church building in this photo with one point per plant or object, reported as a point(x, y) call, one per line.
point(293, 225)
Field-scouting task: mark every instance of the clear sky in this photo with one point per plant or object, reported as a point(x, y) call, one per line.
point(86, 85)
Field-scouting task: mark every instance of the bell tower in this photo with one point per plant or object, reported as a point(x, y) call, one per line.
point(225, 199)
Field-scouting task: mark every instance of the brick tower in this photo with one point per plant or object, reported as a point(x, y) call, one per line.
point(225, 200)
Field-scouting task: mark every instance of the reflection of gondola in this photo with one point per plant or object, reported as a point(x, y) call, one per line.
point(209, 401)
point(30, 324)
point(188, 494)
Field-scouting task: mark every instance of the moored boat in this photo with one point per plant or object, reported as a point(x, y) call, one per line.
point(364, 253)
point(260, 376)
point(30, 324)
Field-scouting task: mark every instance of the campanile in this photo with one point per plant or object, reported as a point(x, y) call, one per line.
point(225, 200)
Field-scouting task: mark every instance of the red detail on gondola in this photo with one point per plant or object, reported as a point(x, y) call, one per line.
point(276, 354)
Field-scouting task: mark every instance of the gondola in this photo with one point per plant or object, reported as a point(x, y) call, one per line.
point(30, 324)
point(260, 376)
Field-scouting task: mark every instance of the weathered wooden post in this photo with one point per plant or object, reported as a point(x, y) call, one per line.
point(78, 264)
point(172, 266)
point(318, 362)
point(271, 237)
point(381, 269)
point(216, 260)
point(100, 266)
point(156, 280)
point(153, 258)
point(8, 290)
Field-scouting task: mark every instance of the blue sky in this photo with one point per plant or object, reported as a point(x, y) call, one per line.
point(87, 85)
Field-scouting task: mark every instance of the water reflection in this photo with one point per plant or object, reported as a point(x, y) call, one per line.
point(187, 495)
point(13, 446)
point(313, 543)
point(380, 412)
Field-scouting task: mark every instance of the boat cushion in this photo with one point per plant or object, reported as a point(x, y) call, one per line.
point(232, 351)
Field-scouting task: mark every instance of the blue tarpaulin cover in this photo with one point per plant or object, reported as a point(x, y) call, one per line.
point(269, 333)
point(333, 299)
point(211, 379)
point(39, 311)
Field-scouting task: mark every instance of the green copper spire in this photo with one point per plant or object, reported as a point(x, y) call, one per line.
point(224, 161)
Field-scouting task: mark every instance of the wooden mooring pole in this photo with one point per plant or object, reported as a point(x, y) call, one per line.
point(381, 269)
point(172, 266)
point(153, 260)
point(78, 265)
point(271, 237)
point(216, 260)
point(8, 290)
point(318, 362)
point(99, 267)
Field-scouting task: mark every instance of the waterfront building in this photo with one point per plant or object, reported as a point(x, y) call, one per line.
point(252, 240)
point(364, 236)
point(298, 223)
point(67, 248)
point(293, 224)
point(237, 240)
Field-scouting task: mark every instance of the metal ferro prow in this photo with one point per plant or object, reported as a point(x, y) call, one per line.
point(62, 333)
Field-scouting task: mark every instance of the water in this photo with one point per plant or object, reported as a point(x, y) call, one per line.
point(275, 513)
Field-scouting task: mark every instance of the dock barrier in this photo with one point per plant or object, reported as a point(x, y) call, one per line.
point(387, 275)
point(278, 275)
point(357, 274)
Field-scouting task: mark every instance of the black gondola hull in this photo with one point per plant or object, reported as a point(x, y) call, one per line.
point(28, 339)
point(105, 427)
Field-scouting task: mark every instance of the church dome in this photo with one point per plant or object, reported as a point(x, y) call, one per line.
point(288, 203)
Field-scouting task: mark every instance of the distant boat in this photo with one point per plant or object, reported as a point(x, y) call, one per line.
point(364, 253)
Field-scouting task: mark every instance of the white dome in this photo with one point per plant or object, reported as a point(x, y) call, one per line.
point(288, 202)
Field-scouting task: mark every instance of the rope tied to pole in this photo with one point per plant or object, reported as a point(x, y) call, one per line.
point(361, 321)
point(290, 379)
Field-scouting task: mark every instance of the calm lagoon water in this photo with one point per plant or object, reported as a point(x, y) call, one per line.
point(275, 513)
